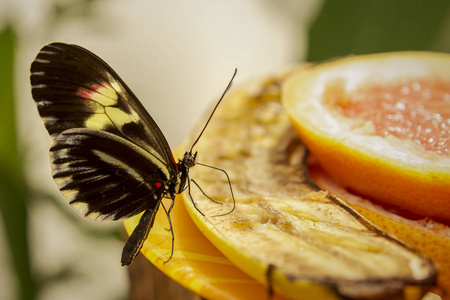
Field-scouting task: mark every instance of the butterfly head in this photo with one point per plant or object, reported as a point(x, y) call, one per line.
point(189, 159)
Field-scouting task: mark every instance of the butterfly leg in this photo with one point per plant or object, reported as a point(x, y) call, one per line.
point(137, 238)
point(229, 184)
point(170, 225)
point(204, 194)
point(168, 211)
point(190, 196)
point(188, 185)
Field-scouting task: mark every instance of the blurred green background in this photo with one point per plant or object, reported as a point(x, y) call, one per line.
point(46, 250)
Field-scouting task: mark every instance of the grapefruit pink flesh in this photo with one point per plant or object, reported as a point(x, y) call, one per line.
point(415, 110)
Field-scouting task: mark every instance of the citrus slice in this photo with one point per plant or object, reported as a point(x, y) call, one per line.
point(312, 245)
point(380, 126)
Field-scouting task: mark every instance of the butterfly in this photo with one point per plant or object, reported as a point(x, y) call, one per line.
point(109, 159)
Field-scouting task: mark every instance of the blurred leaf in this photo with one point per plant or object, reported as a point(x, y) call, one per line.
point(13, 188)
point(369, 26)
point(441, 41)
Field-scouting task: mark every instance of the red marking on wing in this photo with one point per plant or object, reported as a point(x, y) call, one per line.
point(86, 93)
point(158, 184)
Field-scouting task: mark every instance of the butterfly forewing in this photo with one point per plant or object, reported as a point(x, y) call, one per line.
point(74, 88)
point(104, 176)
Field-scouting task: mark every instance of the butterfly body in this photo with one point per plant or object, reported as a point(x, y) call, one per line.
point(109, 158)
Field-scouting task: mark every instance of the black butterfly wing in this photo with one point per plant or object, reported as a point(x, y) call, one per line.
point(104, 176)
point(74, 88)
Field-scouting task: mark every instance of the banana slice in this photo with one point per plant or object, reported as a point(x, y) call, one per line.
point(315, 246)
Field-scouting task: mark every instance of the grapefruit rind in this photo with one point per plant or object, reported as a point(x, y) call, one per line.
point(388, 169)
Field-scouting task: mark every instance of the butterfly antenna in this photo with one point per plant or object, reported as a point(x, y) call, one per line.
point(215, 107)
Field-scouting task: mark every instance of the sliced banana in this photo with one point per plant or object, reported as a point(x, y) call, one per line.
point(316, 246)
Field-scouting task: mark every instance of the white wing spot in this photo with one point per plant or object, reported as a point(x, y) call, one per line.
point(39, 86)
point(40, 60)
point(38, 73)
point(46, 51)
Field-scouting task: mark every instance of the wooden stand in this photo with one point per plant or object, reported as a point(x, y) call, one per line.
point(148, 283)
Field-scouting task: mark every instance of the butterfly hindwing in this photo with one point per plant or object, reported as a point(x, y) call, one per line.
point(104, 176)
point(137, 238)
point(74, 88)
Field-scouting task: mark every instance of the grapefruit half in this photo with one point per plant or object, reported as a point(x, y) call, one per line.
point(380, 126)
